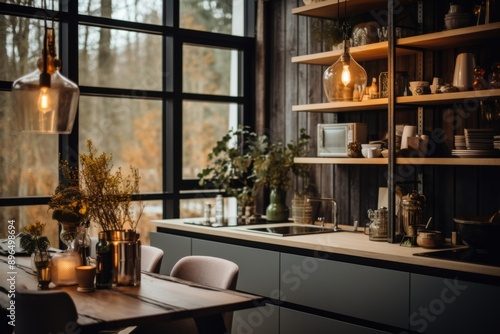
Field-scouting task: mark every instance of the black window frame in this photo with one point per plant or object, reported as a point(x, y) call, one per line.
point(174, 188)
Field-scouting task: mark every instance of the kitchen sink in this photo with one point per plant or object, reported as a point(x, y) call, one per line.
point(286, 230)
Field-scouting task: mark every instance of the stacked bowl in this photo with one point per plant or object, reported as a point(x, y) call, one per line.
point(455, 18)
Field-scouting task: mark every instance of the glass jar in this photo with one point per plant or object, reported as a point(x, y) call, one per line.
point(83, 243)
point(378, 224)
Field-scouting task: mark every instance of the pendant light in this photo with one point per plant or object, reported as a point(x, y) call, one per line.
point(45, 101)
point(345, 80)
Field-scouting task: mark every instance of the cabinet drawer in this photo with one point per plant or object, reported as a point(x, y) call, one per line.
point(292, 322)
point(259, 269)
point(449, 305)
point(375, 294)
point(257, 320)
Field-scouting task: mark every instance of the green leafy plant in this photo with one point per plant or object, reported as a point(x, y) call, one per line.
point(33, 240)
point(274, 168)
point(232, 162)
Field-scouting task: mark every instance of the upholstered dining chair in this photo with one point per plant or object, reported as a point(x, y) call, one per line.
point(151, 258)
point(44, 312)
point(207, 270)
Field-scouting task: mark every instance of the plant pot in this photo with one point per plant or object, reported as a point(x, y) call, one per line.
point(277, 209)
point(126, 255)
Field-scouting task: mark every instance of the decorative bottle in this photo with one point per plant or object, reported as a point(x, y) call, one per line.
point(374, 89)
point(104, 274)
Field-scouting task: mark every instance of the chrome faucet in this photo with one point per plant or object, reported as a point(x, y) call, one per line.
point(334, 211)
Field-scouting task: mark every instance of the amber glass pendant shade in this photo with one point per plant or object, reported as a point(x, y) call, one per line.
point(45, 101)
point(345, 80)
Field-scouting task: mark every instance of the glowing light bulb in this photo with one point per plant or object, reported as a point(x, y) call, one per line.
point(44, 100)
point(346, 75)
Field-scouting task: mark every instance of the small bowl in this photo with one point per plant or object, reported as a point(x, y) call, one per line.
point(456, 22)
point(429, 239)
point(371, 152)
point(419, 83)
point(371, 146)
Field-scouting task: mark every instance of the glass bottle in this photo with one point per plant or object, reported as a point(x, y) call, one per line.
point(374, 89)
point(104, 275)
point(83, 243)
point(219, 210)
point(378, 227)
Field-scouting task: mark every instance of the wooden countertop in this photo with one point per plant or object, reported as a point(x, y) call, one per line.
point(347, 243)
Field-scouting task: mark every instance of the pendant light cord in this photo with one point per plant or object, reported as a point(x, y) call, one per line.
point(45, 76)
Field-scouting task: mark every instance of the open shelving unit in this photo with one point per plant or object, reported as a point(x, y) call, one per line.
point(434, 41)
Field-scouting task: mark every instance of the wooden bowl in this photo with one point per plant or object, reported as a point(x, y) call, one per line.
point(429, 239)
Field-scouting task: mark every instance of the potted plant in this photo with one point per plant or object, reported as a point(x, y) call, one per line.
point(231, 166)
point(104, 197)
point(274, 168)
point(33, 242)
point(304, 189)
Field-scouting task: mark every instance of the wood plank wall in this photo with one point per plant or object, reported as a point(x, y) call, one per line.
point(450, 191)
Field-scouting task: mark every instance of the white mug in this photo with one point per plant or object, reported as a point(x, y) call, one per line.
point(408, 131)
point(464, 71)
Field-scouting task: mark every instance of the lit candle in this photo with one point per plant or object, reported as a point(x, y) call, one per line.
point(63, 268)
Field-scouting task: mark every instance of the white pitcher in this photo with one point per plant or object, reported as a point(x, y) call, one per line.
point(464, 71)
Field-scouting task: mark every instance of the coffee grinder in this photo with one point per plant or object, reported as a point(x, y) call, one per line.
point(411, 210)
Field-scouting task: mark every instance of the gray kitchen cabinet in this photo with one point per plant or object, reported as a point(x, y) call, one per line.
point(449, 305)
point(174, 246)
point(260, 320)
point(259, 269)
point(296, 322)
point(369, 293)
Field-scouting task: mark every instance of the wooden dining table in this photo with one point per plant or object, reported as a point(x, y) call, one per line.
point(158, 298)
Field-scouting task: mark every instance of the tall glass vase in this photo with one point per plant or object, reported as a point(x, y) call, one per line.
point(277, 209)
point(69, 232)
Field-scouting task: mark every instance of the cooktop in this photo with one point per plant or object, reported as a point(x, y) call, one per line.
point(288, 230)
point(469, 255)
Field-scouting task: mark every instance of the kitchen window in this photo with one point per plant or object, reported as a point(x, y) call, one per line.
point(160, 83)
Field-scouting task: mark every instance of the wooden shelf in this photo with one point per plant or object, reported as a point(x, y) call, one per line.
point(380, 104)
point(448, 98)
point(328, 9)
point(342, 161)
point(452, 38)
point(401, 161)
point(449, 161)
point(408, 45)
point(375, 104)
point(366, 52)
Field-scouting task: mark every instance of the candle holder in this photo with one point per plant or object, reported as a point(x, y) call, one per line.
point(63, 268)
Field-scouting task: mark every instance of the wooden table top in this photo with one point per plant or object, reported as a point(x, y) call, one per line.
point(158, 298)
